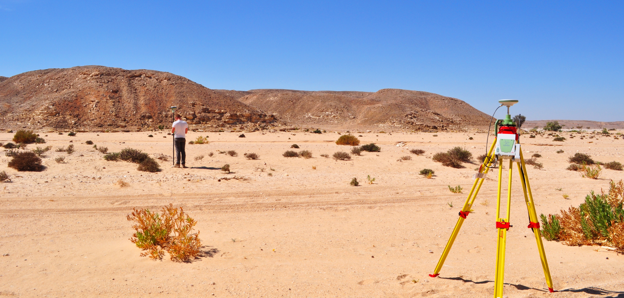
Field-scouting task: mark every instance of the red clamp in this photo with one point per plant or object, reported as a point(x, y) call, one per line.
point(463, 214)
point(434, 275)
point(534, 225)
point(502, 225)
point(551, 290)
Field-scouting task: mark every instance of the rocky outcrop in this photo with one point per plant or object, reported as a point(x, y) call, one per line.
point(99, 98)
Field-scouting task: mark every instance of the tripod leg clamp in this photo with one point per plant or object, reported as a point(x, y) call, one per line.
point(463, 214)
point(434, 275)
point(534, 225)
point(502, 225)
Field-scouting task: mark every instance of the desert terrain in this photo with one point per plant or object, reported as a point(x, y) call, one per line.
point(293, 227)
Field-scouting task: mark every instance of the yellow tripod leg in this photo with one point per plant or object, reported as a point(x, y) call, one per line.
point(502, 224)
point(476, 186)
point(534, 223)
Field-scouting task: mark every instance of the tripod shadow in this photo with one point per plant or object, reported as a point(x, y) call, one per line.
point(588, 290)
point(205, 168)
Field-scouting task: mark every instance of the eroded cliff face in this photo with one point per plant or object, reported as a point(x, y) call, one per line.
point(100, 98)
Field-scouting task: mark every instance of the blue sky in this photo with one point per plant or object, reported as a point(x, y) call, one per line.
point(560, 59)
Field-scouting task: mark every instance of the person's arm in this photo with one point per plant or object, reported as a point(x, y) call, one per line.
point(186, 131)
point(173, 130)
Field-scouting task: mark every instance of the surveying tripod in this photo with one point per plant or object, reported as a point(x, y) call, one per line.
point(506, 146)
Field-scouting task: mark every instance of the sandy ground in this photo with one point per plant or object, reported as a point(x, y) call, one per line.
point(293, 227)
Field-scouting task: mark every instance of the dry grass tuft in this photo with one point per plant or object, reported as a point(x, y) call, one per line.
point(122, 183)
point(290, 153)
point(26, 161)
point(305, 154)
point(342, 156)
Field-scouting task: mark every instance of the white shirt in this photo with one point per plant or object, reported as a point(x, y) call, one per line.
point(180, 129)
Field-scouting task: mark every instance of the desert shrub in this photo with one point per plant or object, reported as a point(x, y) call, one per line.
point(24, 137)
point(532, 137)
point(40, 141)
point(536, 155)
point(11, 152)
point(252, 156)
point(417, 151)
point(305, 154)
point(551, 227)
point(191, 142)
point(40, 151)
point(559, 151)
point(103, 150)
point(354, 182)
point(407, 157)
point(133, 155)
point(325, 155)
point(60, 159)
point(456, 189)
point(581, 158)
point(171, 231)
point(26, 161)
point(552, 126)
point(592, 172)
point(149, 165)
point(342, 156)
point(89, 142)
point(113, 156)
point(605, 131)
point(294, 146)
point(348, 140)
point(71, 134)
point(290, 153)
point(574, 167)
point(614, 165)
point(371, 148)
point(150, 136)
point(482, 158)
point(241, 135)
point(201, 140)
point(447, 160)
point(9, 146)
point(426, 172)
point(317, 131)
point(4, 177)
point(70, 149)
point(559, 139)
point(210, 154)
point(232, 153)
point(460, 154)
point(356, 151)
point(226, 168)
point(199, 157)
point(534, 163)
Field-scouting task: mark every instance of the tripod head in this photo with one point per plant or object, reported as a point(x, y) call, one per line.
point(507, 133)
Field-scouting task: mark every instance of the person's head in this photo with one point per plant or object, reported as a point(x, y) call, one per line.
point(178, 117)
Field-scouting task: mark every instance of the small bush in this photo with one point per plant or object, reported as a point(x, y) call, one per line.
point(536, 155)
point(4, 177)
point(551, 227)
point(370, 180)
point(592, 172)
point(171, 231)
point(447, 160)
point(113, 156)
point(9, 146)
point(371, 148)
point(26, 161)
point(226, 168)
point(534, 163)
point(24, 137)
point(559, 151)
point(191, 142)
point(199, 157)
point(149, 165)
point(201, 140)
point(354, 182)
point(614, 165)
point(305, 154)
point(456, 189)
point(241, 135)
point(356, 151)
point(60, 159)
point(11, 152)
point(460, 154)
point(40, 151)
point(71, 134)
point(325, 155)
point(294, 146)
point(317, 131)
point(103, 150)
point(252, 156)
point(89, 142)
point(426, 172)
point(552, 126)
point(581, 158)
point(133, 155)
point(232, 153)
point(342, 156)
point(559, 139)
point(407, 157)
point(290, 153)
point(40, 141)
point(532, 137)
point(574, 167)
point(210, 154)
point(70, 149)
point(150, 136)
point(417, 151)
point(348, 140)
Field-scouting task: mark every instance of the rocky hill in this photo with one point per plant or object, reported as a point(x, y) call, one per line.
point(102, 98)
point(394, 108)
point(2, 78)
point(575, 124)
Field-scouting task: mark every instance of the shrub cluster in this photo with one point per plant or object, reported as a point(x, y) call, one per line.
point(453, 158)
point(26, 161)
point(371, 148)
point(146, 163)
point(25, 137)
point(170, 231)
point(614, 165)
point(348, 140)
point(581, 158)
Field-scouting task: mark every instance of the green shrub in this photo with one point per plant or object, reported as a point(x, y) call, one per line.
point(133, 155)
point(9, 146)
point(559, 151)
point(40, 141)
point(551, 227)
point(201, 140)
point(305, 154)
point(71, 134)
point(592, 172)
point(149, 165)
point(581, 158)
point(371, 148)
point(559, 139)
point(614, 165)
point(552, 126)
point(456, 189)
point(348, 140)
point(290, 153)
point(354, 182)
point(226, 168)
point(426, 172)
point(24, 137)
point(356, 151)
point(342, 156)
point(317, 131)
point(113, 156)
point(26, 161)
point(40, 151)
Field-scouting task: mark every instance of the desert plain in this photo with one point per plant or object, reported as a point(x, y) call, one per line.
point(294, 227)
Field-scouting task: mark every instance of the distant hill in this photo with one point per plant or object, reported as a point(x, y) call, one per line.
point(98, 97)
point(404, 109)
point(2, 78)
point(575, 124)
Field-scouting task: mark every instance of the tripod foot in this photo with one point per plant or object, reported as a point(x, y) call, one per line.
point(434, 275)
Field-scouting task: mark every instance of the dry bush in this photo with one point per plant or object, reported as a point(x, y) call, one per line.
point(40, 151)
point(163, 157)
point(581, 158)
point(226, 168)
point(574, 167)
point(26, 161)
point(460, 154)
point(9, 146)
point(252, 156)
point(534, 163)
point(68, 150)
point(536, 155)
point(325, 155)
point(417, 151)
point(171, 231)
point(24, 137)
point(149, 165)
point(201, 140)
point(103, 150)
point(447, 160)
point(371, 148)
point(232, 153)
point(4, 177)
point(305, 154)
point(122, 183)
point(60, 159)
point(133, 155)
point(290, 153)
point(348, 140)
point(342, 156)
point(89, 142)
point(294, 146)
point(407, 157)
point(614, 165)
point(559, 139)
point(11, 152)
point(559, 151)
point(113, 156)
point(210, 154)
point(356, 151)
point(199, 157)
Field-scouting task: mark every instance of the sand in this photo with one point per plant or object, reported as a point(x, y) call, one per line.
point(293, 227)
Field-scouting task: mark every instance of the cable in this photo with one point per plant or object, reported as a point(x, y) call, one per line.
point(487, 139)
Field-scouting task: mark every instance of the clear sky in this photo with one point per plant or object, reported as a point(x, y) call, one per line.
point(560, 59)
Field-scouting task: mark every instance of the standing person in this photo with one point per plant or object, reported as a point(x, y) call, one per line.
point(179, 130)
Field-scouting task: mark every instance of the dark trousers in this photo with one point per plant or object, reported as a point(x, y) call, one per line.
point(179, 146)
